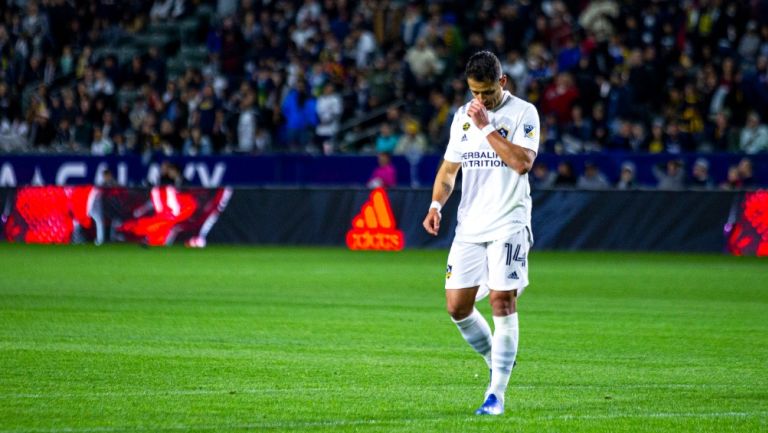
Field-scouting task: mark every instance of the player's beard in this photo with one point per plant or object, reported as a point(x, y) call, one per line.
point(492, 103)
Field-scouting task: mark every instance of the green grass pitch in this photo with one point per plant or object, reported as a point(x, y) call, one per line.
point(124, 339)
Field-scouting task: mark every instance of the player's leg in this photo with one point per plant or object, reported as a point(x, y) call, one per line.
point(505, 340)
point(508, 275)
point(466, 269)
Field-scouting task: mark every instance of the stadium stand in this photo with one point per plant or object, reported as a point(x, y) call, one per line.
point(174, 77)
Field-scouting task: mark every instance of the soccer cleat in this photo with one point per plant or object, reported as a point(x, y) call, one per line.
point(491, 406)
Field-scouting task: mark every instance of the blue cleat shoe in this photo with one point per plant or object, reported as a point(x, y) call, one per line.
point(492, 406)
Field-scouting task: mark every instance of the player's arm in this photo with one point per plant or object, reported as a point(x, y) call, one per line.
point(516, 157)
point(444, 183)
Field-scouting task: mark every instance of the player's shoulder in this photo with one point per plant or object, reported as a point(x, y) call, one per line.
point(459, 115)
point(462, 111)
point(518, 105)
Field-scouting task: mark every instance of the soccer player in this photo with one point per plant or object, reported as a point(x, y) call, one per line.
point(494, 139)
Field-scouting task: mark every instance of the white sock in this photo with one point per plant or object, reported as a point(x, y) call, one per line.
point(474, 328)
point(504, 351)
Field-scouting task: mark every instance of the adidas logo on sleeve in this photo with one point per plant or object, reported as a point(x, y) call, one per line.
point(374, 227)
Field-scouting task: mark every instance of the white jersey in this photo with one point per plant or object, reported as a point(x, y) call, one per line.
point(495, 199)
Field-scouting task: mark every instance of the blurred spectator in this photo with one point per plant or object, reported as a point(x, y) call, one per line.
point(163, 10)
point(691, 117)
point(733, 180)
point(263, 139)
point(9, 106)
point(637, 136)
point(541, 176)
point(43, 131)
point(439, 123)
point(655, 142)
point(66, 60)
point(565, 175)
point(205, 114)
point(621, 139)
point(364, 45)
point(329, 107)
point(745, 173)
point(102, 85)
point(107, 179)
point(300, 112)
point(618, 102)
point(411, 24)
point(551, 140)
point(672, 177)
point(197, 143)
point(559, 98)
point(720, 135)
point(413, 141)
point(700, 175)
point(101, 145)
point(514, 66)
point(754, 135)
point(577, 133)
point(676, 140)
point(170, 136)
point(386, 141)
point(170, 174)
point(412, 144)
point(627, 176)
point(750, 41)
point(246, 124)
point(384, 175)
point(600, 133)
point(135, 74)
point(592, 178)
point(13, 135)
point(423, 66)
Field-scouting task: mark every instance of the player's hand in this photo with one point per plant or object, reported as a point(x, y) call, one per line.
point(478, 113)
point(432, 222)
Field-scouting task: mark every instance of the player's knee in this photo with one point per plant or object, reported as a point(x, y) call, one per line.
point(504, 309)
point(459, 311)
point(503, 305)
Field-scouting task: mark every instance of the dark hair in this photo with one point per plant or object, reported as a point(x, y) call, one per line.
point(483, 66)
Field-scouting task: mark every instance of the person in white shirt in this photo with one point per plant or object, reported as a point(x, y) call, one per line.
point(494, 140)
point(329, 108)
point(754, 136)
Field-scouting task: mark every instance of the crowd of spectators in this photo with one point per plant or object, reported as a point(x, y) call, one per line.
point(651, 76)
point(670, 175)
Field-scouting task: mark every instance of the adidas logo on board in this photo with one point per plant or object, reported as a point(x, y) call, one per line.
point(374, 227)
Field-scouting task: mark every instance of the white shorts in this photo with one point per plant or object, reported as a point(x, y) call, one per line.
point(499, 265)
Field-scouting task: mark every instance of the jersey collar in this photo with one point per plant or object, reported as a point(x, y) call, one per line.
point(505, 97)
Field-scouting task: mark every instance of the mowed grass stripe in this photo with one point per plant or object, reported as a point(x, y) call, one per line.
point(290, 426)
point(120, 338)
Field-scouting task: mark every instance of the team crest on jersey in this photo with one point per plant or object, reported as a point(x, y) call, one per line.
point(528, 129)
point(448, 272)
point(465, 126)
